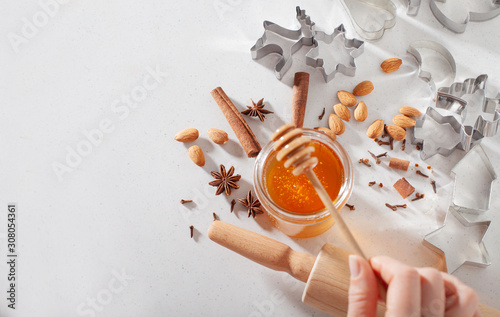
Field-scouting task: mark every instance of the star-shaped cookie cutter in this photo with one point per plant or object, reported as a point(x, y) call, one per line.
point(459, 241)
point(353, 47)
point(266, 44)
point(276, 38)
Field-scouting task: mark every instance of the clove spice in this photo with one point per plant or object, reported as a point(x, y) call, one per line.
point(418, 196)
point(233, 202)
point(351, 207)
point(372, 183)
point(322, 114)
point(184, 201)
point(433, 183)
point(215, 216)
point(395, 207)
point(421, 174)
point(380, 142)
point(191, 230)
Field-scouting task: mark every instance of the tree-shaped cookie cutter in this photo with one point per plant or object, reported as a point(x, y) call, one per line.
point(459, 241)
point(276, 39)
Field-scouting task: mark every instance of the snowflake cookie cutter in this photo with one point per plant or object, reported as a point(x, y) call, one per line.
point(306, 36)
point(460, 242)
point(266, 45)
point(353, 47)
point(371, 17)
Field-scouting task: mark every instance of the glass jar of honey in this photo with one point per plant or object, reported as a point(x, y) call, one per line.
point(291, 202)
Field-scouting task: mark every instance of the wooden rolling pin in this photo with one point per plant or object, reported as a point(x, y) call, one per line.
point(327, 276)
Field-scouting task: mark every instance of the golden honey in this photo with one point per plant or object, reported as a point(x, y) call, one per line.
point(296, 193)
point(292, 204)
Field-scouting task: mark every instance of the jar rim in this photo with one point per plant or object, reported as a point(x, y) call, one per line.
point(340, 200)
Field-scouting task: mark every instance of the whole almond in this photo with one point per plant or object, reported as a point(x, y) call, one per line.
point(361, 112)
point(391, 65)
point(363, 88)
point(196, 155)
point(397, 133)
point(410, 111)
point(403, 121)
point(375, 129)
point(187, 135)
point(336, 124)
point(327, 132)
point(342, 111)
point(218, 136)
point(346, 98)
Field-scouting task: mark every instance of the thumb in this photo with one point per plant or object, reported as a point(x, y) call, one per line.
point(363, 293)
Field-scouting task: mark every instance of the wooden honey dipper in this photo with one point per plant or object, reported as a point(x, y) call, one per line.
point(291, 144)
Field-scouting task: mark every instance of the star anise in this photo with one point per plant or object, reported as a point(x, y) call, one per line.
point(257, 110)
point(252, 205)
point(224, 180)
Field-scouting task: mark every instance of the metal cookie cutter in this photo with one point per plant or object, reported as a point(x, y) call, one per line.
point(317, 55)
point(414, 49)
point(413, 7)
point(460, 241)
point(472, 91)
point(474, 175)
point(371, 17)
point(284, 42)
point(473, 16)
point(447, 134)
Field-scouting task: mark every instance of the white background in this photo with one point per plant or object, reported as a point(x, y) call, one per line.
point(118, 209)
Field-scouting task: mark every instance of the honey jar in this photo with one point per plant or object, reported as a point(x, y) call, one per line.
point(291, 202)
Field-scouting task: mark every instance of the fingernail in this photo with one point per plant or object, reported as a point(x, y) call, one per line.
point(354, 266)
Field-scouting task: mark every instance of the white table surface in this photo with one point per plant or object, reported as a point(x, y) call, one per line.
point(116, 211)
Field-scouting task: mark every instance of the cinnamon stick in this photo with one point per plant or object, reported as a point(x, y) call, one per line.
point(243, 132)
point(399, 164)
point(299, 98)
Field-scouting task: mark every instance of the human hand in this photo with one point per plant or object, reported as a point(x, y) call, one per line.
point(410, 291)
